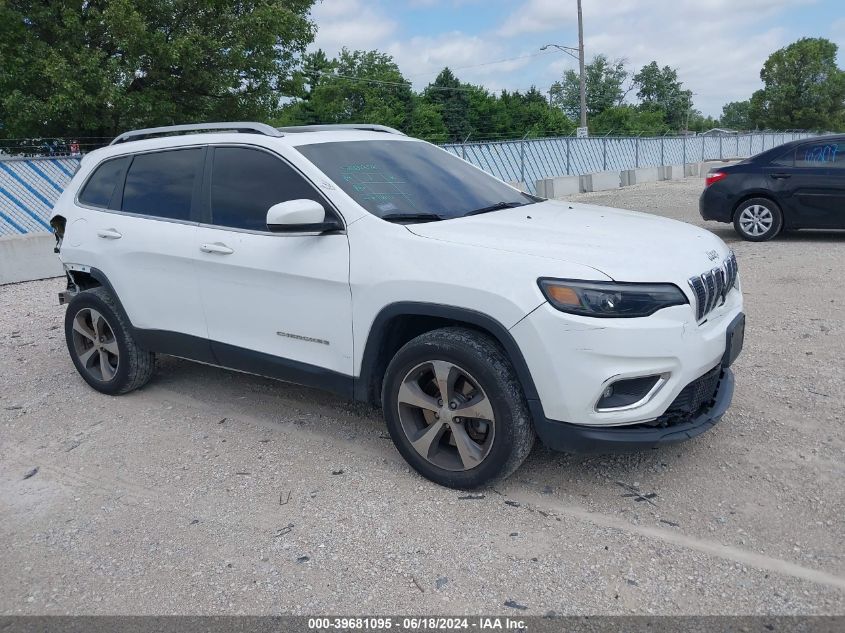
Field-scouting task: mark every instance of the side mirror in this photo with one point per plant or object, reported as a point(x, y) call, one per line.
point(300, 216)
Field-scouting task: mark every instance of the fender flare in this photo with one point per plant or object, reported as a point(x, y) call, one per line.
point(499, 332)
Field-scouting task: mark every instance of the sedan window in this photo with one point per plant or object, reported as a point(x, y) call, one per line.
point(822, 154)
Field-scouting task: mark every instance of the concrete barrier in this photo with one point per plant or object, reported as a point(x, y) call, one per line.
point(559, 187)
point(601, 181)
point(28, 257)
point(636, 176)
point(519, 185)
point(672, 172)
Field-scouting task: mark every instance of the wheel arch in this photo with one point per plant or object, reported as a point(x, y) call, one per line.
point(748, 195)
point(94, 278)
point(398, 323)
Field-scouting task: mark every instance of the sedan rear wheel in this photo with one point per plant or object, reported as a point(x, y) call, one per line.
point(758, 220)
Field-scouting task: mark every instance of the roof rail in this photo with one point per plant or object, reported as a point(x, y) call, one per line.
point(238, 126)
point(372, 127)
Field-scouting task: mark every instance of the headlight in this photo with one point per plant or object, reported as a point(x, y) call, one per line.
point(610, 299)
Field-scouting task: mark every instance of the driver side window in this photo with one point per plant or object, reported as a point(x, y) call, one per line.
point(246, 182)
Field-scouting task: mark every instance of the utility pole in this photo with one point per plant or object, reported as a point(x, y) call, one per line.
point(582, 78)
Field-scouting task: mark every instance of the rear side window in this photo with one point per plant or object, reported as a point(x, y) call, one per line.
point(245, 183)
point(100, 188)
point(786, 160)
point(161, 184)
point(821, 154)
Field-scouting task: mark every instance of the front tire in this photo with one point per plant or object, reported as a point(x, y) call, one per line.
point(101, 344)
point(455, 409)
point(758, 220)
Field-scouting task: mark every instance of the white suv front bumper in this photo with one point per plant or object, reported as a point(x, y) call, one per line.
point(571, 359)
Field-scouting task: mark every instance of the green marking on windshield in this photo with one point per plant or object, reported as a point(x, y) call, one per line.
point(367, 181)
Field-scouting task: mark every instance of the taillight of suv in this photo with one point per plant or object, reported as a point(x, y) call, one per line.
point(713, 177)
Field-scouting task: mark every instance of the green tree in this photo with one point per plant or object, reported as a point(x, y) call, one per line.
point(604, 81)
point(736, 115)
point(426, 122)
point(449, 96)
point(802, 88)
point(96, 68)
point(697, 122)
point(625, 120)
point(659, 90)
point(357, 87)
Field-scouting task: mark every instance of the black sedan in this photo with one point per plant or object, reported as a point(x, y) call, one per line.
point(797, 185)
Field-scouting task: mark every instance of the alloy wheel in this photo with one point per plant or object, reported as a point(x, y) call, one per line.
point(446, 415)
point(95, 345)
point(756, 220)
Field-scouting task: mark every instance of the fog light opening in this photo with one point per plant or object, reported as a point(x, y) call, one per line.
point(629, 393)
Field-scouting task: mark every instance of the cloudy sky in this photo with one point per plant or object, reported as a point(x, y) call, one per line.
point(718, 46)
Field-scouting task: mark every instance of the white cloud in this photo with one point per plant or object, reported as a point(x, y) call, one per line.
point(718, 46)
point(421, 58)
point(351, 23)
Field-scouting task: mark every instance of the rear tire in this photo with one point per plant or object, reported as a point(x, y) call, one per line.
point(758, 220)
point(480, 431)
point(101, 346)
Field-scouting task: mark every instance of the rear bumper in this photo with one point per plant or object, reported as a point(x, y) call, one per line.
point(575, 438)
point(714, 204)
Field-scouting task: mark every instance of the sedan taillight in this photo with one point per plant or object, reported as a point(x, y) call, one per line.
point(714, 177)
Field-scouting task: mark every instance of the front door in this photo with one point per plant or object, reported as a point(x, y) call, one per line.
point(275, 304)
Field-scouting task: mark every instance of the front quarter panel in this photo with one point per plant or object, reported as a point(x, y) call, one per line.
point(389, 264)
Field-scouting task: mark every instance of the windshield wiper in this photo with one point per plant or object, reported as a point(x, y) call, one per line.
point(412, 217)
point(496, 207)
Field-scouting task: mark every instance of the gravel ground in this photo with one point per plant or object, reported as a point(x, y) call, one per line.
point(216, 492)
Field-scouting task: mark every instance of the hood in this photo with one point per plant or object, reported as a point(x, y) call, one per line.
point(625, 245)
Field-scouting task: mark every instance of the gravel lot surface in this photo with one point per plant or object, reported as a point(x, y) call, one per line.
point(216, 492)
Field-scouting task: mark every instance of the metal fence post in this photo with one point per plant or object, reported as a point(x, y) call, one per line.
point(685, 154)
point(737, 145)
point(750, 143)
point(637, 152)
point(604, 154)
point(720, 147)
point(522, 159)
point(567, 155)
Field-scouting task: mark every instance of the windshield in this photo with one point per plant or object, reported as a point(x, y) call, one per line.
point(413, 181)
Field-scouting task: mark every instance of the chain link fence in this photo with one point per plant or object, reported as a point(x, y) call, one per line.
point(530, 160)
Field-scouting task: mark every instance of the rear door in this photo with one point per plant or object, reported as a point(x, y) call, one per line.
point(814, 187)
point(141, 233)
point(275, 304)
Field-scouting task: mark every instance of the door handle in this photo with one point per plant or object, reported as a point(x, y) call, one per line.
point(217, 248)
point(109, 234)
point(780, 176)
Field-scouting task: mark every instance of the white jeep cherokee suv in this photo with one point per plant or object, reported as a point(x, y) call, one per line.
point(382, 268)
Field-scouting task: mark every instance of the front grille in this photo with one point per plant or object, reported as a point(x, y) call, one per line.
point(712, 287)
point(695, 397)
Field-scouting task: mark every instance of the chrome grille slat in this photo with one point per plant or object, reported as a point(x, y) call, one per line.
point(712, 287)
